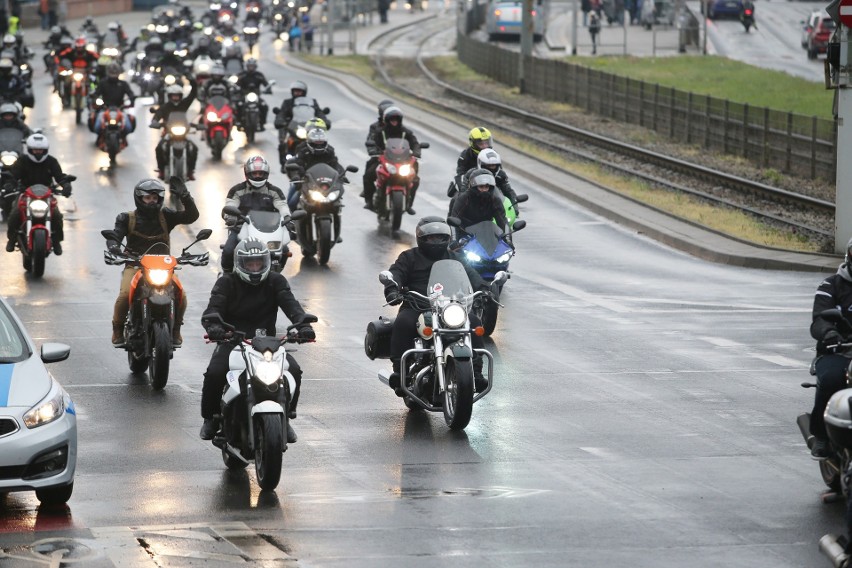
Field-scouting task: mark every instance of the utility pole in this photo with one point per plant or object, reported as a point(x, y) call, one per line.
point(330, 5)
point(841, 12)
point(574, 26)
point(526, 42)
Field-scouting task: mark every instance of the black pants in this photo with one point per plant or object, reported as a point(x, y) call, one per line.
point(369, 178)
point(831, 377)
point(163, 157)
point(215, 379)
point(404, 333)
point(228, 251)
point(57, 225)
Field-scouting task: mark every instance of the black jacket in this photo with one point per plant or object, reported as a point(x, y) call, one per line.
point(473, 208)
point(166, 109)
point(466, 161)
point(370, 143)
point(252, 81)
point(27, 173)
point(285, 114)
point(387, 131)
point(305, 159)
point(248, 307)
point(113, 92)
point(500, 178)
point(833, 292)
point(411, 270)
point(249, 198)
point(149, 223)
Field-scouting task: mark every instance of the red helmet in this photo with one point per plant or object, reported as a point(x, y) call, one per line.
point(80, 42)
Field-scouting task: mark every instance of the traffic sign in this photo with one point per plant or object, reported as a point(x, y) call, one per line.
point(845, 13)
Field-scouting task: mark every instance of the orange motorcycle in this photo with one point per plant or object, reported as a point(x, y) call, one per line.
point(155, 293)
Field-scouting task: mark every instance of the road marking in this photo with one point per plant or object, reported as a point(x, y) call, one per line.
point(779, 360)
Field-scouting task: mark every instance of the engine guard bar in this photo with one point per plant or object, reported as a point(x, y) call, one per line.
point(403, 371)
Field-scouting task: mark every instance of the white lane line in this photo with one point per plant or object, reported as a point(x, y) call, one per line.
point(779, 360)
point(575, 292)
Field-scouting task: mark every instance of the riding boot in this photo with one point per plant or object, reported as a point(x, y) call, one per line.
point(410, 210)
point(177, 340)
point(117, 334)
point(479, 381)
point(294, 402)
point(394, 379)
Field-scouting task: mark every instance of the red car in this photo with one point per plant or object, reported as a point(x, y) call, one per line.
point(818, 35)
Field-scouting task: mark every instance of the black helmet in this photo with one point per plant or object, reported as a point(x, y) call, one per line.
point(481, 177)
point(383, 106)
point(252, 261)
point(433, 237)
point(113, 70)
point(149, 187)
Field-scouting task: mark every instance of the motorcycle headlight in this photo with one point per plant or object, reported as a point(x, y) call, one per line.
point(249, 31)
point(66, 72)
point(251, 97)
point(112, 122)
point(504, 257)
point(169, 80)
point(46, 411)
point(91, 47)
point(301, 132)
point(284, 36)
point(317, 196)
point(212, 117)
point(146, 77)
point(203, 68)
point(78, 76)
point(110, 52)
point(38, 208)
point(405, 170)
point(8, 160)
point(391, 169)
point(140, 56)
point(268, 372)
point(233, 79)
point(273, 245)
point(278, 16)
point(158, 277)
point(181, 53)
point(162, 28)
point(178, 130)
point(454, 316)
point(333, 195)
point(99, 101)
point(472, 256)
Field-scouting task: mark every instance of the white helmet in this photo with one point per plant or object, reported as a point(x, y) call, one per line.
point(257, 171)
point(37, 147)
point(9, 39)
point(173, 90)
point(489, 159)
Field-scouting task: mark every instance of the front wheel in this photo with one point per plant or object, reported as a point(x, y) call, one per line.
point(396, 210)
point(39, 253)
point(217, 145)
point(458, 394)
point(323, 240)
point(55, 495)
point(489, 318)
point(269, 449)
point(160, 355)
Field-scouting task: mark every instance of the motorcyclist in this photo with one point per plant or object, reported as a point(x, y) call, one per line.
point(216, 85)
point(175, 101)
point(480, 202)
point(89, 26)
point(489, 159)
point(11, 49)
point(392, 128)
point(154, 51)
point(113, 91)
point(411, 270)
point(202, 49)
point(170, 59)
point(79, 54)
point(251, 80)
point(36, 166)
point(747, 7)
point(316, 150)
point(12, 87)
point(115, 27)
point(10, 118)
point(479, 138)
point(369, 177)
point(254, 194)
point(56, 35)
point(247, 298)
point(149, 224)
point(298, 89)
point(831, 363)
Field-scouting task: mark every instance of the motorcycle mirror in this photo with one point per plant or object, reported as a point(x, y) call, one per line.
point(500, 277)
point(522, 197)
point(110, 235)
point(385, 277)
point(353, 169)
point(272, 82)
point(298, 214)
point(292, 167)
point(424, 145)
point(276, 110)
point(326, 110)
point(203, 234)
point(518, 225)
point(454, 222)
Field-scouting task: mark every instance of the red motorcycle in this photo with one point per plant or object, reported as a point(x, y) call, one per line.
point(36, 205)
point(112, 137)
point(218, 120)
point(394, 179)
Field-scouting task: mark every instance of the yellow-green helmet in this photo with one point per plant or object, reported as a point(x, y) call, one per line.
point(479, 138)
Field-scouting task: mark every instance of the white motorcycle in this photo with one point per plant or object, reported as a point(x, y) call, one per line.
point(269, 228)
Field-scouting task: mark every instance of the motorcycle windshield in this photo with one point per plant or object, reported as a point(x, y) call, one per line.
point(177, 118)
point(265, 221)
point(448, 281)
point(302, 110)
point(397, 151)
point(233, 67)
point(11, 140)
point(218, 102)
point(111, 39)
point(487, 234)
point(39, 191)
point(322, 177)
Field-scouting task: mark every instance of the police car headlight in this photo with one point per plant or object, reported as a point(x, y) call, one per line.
point(268, 372)
point(38, 208)
point(46, 411)
point(454, 316)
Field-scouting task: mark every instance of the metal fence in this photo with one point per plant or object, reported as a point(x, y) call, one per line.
point(788, 142)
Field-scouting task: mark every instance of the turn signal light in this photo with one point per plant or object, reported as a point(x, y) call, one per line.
point(427, 331)
point(479, 331)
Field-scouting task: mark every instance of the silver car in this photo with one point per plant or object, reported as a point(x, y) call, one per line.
point(38, 421)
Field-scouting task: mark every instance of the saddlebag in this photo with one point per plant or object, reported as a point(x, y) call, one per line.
point(378, 338)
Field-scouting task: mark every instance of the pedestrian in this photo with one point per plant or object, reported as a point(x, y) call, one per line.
point(586, 7)
point(43, 11)
point(53, 13)
point(594, 30)
point(383, 10)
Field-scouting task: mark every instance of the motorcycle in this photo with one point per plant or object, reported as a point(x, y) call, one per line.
point(321, 192)
point(111, 139)
point(154, 295)
point(270, 229)
point(256, 402)
point(218, 120)
point(437, 374)
point(177, 148)
point(488, 250)
point(294, 133)
point(249, 109)
point(35, 206)
point(76, 90)
point(11, 145)
point(251, 31)
point(394, 180)
point(747, 19)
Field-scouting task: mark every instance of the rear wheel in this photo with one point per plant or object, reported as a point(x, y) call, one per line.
point(323, 240)
point(269, 449)
point(160, 355)
point(458, 394)
point(397, 206)
point(55, 495)
point(78, 108)
point(39, 253)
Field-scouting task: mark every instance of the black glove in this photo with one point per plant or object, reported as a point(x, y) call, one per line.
point(833, 337)
point(66, 190)
point(178, 187)
point(216, 332)
point(306, 333)
point(394, 297)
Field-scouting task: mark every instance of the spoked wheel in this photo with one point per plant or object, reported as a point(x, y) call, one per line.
point(397, 207)
point(158, 367)
point(323, 241)
point(458, 395)
point(39, 253)
point(269, 449)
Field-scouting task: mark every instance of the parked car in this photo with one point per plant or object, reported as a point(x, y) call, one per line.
point(38, 422)
point(819, 34)
point(722, 8)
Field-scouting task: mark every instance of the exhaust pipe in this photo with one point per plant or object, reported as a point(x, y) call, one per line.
point(830, 545)
point(804, 423)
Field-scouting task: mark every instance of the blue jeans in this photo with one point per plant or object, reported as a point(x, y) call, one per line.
point(293, 197)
